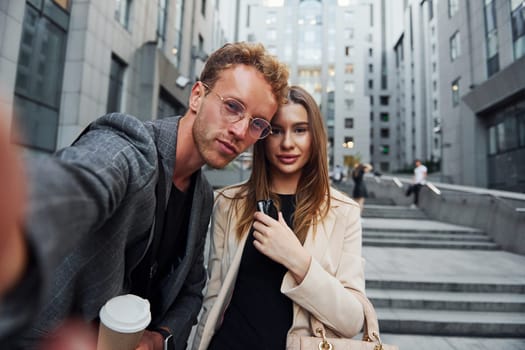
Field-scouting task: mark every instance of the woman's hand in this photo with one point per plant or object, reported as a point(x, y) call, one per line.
point(278, 242)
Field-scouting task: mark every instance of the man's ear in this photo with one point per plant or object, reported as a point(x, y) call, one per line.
point(197, 93)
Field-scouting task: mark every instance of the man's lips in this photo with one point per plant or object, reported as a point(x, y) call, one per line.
point(228, 148)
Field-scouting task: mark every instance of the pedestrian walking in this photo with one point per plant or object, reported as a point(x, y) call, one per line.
point(418, 181)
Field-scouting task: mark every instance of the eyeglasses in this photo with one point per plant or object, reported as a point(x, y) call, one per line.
point(233, 111)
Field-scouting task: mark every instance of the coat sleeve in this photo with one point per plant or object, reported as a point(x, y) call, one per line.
point(72, 194)
point(329, 295)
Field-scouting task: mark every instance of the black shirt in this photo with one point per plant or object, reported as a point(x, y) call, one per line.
point(171, 249)
point(259, 315)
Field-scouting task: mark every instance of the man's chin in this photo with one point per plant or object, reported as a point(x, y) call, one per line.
point(218, 164)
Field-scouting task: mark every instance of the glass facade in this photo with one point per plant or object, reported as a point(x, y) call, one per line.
point(39, 73)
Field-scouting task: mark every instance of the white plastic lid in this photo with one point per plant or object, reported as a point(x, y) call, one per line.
point(126, 313)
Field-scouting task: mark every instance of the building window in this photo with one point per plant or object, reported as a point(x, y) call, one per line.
point(430, 9)
point(370, 84)
point(122, 11)
point(349, 103)
point(39, 75)
point(384, 117)
point(370, 68)
point(168, 106)
point(521, 128)
point(161, 22)
point(348, 33)
point(455, 92)
point(349, 51)
point(349, 142)
point(271, 18)
point(491, 37)
point(454, 46)
point(453, 7)
point(384, 100)
point(385, 149)
point(349, 87)
point(518, 27)
point(116, 82)
point(203, 8)
point(371, 116)
point(271, 35)
point(349, 123)
point(349, 68)
point(178, 24)
point(385, 133)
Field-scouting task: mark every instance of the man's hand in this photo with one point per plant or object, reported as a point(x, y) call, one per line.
point(13, 250)
point(151, 341)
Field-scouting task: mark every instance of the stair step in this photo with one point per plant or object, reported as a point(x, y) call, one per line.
point(447, 322)
point(388, 215)
point(427, 236)
point(433, 300)
point(446, 286)
point(391, 242)
point(369, 228)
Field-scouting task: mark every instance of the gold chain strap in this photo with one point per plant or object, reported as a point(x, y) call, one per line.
point(324, 344)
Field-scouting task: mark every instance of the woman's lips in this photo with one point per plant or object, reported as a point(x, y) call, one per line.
point(287, 159)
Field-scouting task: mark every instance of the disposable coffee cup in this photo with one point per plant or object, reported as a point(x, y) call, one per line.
point(123, 320)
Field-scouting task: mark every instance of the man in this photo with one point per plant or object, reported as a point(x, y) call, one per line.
point(98, 225)
point(418, 181)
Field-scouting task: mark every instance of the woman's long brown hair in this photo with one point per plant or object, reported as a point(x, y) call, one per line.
point(313, 189)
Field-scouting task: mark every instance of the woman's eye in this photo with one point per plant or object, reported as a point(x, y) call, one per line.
point(276, 131)
point(301, 130)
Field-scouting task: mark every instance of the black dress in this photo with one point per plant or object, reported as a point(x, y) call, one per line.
point(258, 316)
point(359, 185)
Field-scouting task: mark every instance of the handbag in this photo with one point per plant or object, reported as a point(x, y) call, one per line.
point(319, 341)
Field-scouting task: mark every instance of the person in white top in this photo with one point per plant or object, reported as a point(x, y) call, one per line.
point(419, 180)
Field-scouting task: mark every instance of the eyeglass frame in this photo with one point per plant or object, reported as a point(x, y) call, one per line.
point(227, 113)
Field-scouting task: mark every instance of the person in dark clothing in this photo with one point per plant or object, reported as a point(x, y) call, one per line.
point(266, 274)
point(98, 209)
point(360, 192)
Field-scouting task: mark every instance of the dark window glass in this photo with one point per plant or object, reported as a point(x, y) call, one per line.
point(385, 133)
point(39, 78)
point(116, 81)
point(349, 123)
point(518, 29)
point(521, 127)
point(384, 117)
point(168, 106)
point(384, 100)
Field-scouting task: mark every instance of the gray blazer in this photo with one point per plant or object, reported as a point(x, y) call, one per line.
point(90, 222)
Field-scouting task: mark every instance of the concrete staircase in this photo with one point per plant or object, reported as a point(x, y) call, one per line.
point(420, 232)
point(436, 279)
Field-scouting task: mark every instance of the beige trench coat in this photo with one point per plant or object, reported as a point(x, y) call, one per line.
point(337, 269)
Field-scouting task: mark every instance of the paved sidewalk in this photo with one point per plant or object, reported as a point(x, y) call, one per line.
point(426, 342)
point(447, 265)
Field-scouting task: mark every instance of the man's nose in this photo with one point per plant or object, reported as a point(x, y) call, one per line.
point(240, 128)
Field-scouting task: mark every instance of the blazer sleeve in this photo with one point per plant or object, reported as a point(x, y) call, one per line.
point(72, 194)
point(217, 244)
point(329, 296)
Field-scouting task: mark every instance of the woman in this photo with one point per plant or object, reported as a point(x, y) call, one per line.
point(360, 193)
point(267, 276)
